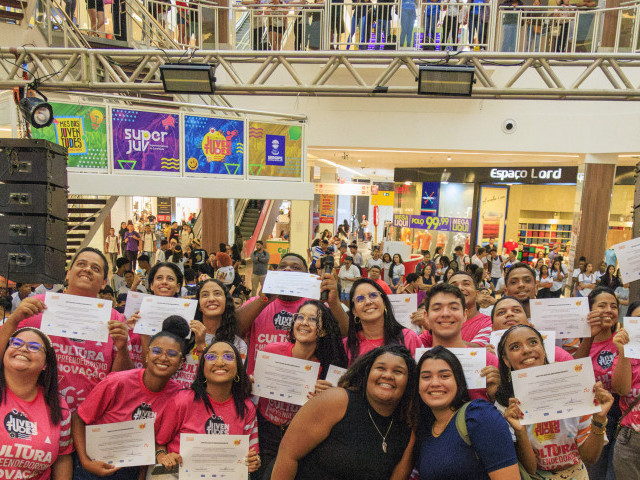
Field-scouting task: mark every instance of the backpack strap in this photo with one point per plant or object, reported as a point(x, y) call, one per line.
point(461, 423)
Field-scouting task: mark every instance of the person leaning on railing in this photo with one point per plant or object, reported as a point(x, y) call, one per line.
point(257, 24)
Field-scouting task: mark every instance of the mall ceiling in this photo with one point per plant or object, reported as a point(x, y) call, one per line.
point(367, 158)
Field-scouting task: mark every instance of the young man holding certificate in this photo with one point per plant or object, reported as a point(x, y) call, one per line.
point(83, 363)
point(268, 319)
point(444, 316)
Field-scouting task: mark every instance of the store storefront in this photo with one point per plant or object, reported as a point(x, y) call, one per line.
point(532, 207)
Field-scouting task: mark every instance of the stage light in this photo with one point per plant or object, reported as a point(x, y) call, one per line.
point(188, 78)
point(36, 111)
point(446, 80)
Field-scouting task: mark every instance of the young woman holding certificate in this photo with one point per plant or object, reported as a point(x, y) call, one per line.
point(314, 335)
point(485, 452)
point(36, 439)
point(371, 321)
point(217, 403)
point(555, 449)
point(626, 383)
point(215, 320)
point(131, 395)
point(603, 318)
point(361, 431)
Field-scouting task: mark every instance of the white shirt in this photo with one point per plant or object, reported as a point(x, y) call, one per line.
point(347, 276)
point(41, 289)
point(371, 262)
point(148, 241)
point(556, 284)
point(477, 261)
point(583, 278)
point(112, 243)
point(15, 300)
point(496, 266)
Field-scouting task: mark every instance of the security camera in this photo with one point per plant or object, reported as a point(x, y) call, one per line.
point(509, 125)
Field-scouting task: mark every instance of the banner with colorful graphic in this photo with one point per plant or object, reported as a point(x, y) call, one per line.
point(441, 224)
point(275, 150)
point(492, 215)
point(327, 209)
point(81, 129)
point(145, 141)
point(213, 145)
point(430, 199)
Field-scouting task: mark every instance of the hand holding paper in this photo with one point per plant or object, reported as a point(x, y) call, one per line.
point(73, 316)
point(293, 284)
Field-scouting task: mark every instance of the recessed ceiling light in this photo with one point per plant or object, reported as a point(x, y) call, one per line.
point(359, 160)
point(448, 158)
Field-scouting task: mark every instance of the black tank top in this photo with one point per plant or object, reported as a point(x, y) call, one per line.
point(353, 449)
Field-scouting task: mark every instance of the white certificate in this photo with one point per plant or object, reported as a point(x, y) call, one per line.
point(403, 306)
point(628, 254)
point(214, 456)
point(565, 316)
point(73, 316)
point(632, 326)
point(154, 310)
point(548, 337)
point(292, 284)
point(555, 391)
point(473, 360)
point(134, 301)
point(284, 378)
point(123, 444)
point(334, 374)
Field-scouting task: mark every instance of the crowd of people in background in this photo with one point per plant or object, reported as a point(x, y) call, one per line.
point(387, 418)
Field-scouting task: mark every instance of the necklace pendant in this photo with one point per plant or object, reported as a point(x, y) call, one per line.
point(384, 446)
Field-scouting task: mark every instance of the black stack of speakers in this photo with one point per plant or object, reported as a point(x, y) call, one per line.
point(33, 211)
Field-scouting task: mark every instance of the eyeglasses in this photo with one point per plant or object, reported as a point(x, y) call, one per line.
point(226, 357)
point(169, 352)
point(300, 317)
point(33, 347)
point(371, 296)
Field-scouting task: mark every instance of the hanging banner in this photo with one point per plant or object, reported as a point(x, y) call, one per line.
point(430, 199)
point(145, 141)
point(275, 150)
point(441, 224)
point(213, 145)
point(82, 130)
point(327, 209)
point(492, 215)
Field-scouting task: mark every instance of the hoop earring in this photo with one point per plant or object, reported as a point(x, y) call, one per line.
point(237, 378)
point(385, 311)
point(356, 320)
point(204, 381)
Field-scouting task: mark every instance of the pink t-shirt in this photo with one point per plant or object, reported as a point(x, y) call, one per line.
point(631, 420)
point(271, 325)
point(562, 355)
point(278, 413)
point(136, 349)
point(602, 355)
point(476, 393)
point(185, 414)
point(81, 363)
point(475, 330)
point(29, 442)
point(411, 341)
point(122, 397)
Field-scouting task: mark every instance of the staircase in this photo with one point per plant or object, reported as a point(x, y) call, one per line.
point(250, 218)
point(85, 216)
point(12, 11)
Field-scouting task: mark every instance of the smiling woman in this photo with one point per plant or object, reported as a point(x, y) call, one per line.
point(32, 408)
point(131, 395)
point(477, 445)
point(369, 418)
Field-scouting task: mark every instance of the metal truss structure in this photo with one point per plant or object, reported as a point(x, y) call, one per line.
point(604, 76)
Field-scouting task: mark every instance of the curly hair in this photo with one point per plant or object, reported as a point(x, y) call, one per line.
point(228, 328)
point(240, 390)
point(329, 347)
point(355, 379)
point(505, 390)
point(392, 328)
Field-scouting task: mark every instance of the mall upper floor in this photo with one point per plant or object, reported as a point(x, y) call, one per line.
point(559, 26)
